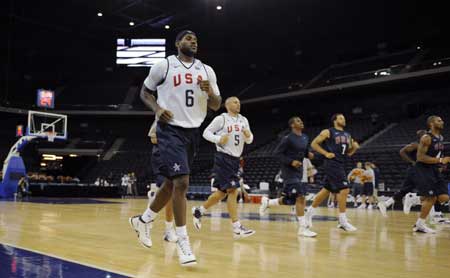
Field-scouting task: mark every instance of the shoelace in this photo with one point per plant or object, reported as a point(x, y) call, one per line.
point(146, 229)
point(244, 229)
point(185, 246)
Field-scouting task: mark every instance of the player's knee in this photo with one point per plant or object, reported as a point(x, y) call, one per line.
point(181, 184)
point(443, 198)
point(218, 195)
point(300, 198)
point(167, 187)
point(232, 191)
point(431, 199)
point(166, 190)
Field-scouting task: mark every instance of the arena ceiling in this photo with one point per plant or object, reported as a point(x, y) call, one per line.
point(246, 38)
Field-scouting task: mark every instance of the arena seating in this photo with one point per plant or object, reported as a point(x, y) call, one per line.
point(260, 165)
point(405, 131)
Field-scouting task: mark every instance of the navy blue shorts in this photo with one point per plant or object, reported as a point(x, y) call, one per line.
point(178, 147)
point(293, 190)
point(158, 168)
point(226, 169)
point(367, 189)
point(356, 189)
point(335, 178)
point(429, 181)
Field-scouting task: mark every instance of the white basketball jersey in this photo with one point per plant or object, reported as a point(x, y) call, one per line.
point(180, 93)
point(233, 126)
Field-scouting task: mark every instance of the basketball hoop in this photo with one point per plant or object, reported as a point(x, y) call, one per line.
point(47, 125)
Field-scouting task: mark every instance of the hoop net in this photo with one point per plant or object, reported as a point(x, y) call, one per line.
point(50, 135)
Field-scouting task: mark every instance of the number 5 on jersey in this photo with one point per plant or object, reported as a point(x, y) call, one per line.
point(237, 140)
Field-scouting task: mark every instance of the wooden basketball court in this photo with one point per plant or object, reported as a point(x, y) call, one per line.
point(98, 235)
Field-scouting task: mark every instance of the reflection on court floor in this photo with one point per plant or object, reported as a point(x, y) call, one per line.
point(17, 262)
point(92, 238)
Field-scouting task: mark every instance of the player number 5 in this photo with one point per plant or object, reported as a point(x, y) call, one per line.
point(236, 140)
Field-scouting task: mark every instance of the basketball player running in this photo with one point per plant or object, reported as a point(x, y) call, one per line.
point(229, 131)
point(408, 153)
point(158, 169)
point(431, 185)
point(185, 89)
point(291, 150)
point(338, 145)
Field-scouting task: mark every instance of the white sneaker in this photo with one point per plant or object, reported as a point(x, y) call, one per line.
point(308, 217)
point(347, 227)
point(196, 218)
point(264, 205)
point(242, 232)
point(362, 206)
point(142, 230)
point(439, 219)
point(408, 202)
point(185, 255)
point(306, 232)
point(331, 205)
point(423, 229)
point(170, 236)
point(383, 208)
point(370, 207)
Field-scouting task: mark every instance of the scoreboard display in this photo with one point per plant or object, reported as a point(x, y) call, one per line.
point(19, 130)
point(140, 52)
point(45, 98)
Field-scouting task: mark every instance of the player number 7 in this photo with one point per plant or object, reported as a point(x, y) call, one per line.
point(344, 147)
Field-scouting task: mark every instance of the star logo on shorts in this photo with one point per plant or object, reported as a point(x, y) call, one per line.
point(294, 191)
point(430, 192)
point(345, 183)
point(233, 183)
point(176, 167)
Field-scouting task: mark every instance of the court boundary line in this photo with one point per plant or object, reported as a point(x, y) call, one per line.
point(69, 260)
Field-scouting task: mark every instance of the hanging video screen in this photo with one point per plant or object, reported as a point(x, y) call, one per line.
point(140, 52)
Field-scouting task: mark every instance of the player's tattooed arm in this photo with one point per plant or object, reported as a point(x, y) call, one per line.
point(148, 98)
point(406, 150)
point(316, 144)
point(422, 149)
